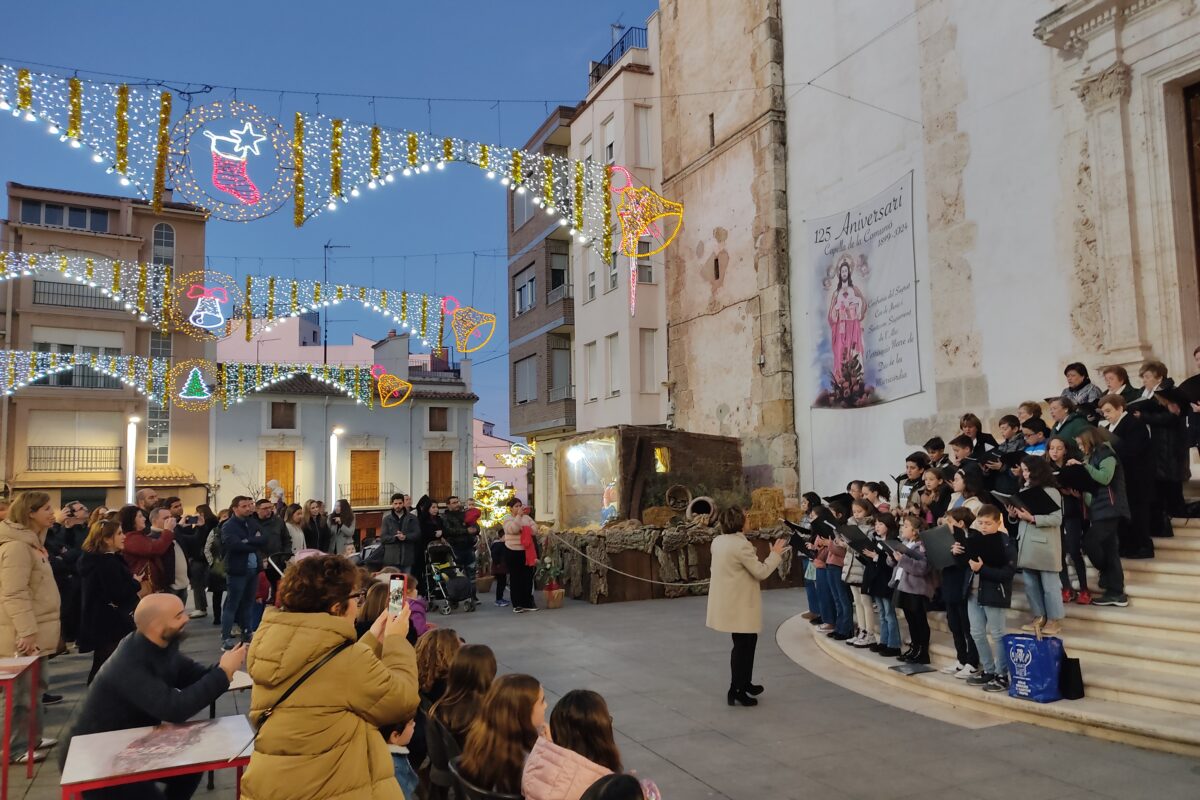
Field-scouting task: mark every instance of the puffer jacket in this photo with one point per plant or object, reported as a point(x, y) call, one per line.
point(914, 571)
point(29, 599)
point(556, 773)
point(324, 742)
point(852, 569)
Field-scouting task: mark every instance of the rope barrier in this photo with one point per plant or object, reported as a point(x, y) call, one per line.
point(586, 557)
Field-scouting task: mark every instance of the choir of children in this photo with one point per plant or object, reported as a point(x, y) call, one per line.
point(1104, 480)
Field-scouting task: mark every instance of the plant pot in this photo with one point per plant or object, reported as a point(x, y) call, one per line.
point(483, 584)
point(554, 597)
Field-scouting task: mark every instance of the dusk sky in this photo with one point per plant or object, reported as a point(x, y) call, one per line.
point(513, 52)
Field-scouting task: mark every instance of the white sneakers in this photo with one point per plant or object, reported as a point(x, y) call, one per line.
point(966, 671)
point(952, 669)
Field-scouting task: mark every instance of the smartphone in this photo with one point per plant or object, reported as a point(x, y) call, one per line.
point(192, 520)
point(397, 590)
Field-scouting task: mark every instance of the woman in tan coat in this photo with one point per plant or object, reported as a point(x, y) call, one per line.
point(735, 600)
point(324, 741)
point(29, 603)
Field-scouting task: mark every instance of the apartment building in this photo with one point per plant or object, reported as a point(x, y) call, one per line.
point(541, 319)
point(621, 356)
point(66, 434)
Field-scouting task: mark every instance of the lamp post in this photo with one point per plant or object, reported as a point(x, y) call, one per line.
point(481, 468)
point(333, 463)
point(130, 457)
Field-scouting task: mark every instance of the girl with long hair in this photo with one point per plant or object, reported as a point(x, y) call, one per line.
point(471, 674)
point(1073, 512)
point(374, 604)
point(1039, 549)
point(579, 751)
point(510, 720)
point(109, 592)
point(293, 525)
point(341, 527)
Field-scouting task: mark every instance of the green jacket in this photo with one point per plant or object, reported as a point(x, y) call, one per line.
point(1069, 428)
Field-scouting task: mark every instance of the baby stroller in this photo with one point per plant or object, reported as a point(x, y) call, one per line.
point(445, 580)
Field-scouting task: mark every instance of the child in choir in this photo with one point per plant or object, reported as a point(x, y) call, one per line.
point(1073, 508)
point(961, 449)
point(908, 494)
point(855, 489)
point(1035, 433)
point(809, 503)
point(1107, 506)
point(915, 591)
point(878, 494)
point(935, 498)
point(834, 596)
point(935, 449)
point(862, 515)
point(1068, 421)
point(877, 584)
point(1006, 479)
point(954, 594)
point(989, 598)
point(1039, 549)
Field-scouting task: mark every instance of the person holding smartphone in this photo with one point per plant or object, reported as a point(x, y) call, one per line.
point(735, 599)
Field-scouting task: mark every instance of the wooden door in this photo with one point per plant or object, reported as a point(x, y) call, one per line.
point(441, 472)
point(281, 466)
point(364, 478)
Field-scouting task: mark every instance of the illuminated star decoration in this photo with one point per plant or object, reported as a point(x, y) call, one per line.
point(229, 169)
point(639, 212)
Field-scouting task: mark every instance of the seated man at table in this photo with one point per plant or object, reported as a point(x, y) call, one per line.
point(147, 681)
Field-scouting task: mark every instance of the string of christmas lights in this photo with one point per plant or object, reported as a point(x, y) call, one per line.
point(138, 287)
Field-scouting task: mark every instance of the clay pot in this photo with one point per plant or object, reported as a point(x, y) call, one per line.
point(554, 597)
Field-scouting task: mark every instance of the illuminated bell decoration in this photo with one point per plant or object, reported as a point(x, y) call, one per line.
point(644, 213)
point(203, 302)
point(473, 328)
point(392, 390)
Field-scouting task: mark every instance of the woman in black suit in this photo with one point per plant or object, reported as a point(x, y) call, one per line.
point(110, 593)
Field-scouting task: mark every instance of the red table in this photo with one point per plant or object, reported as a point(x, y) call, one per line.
point(11, 670)
point(115, 758)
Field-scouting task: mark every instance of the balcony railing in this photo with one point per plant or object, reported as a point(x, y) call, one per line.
point(562, 393)
point(564, 292)
point(73, 295)
point(58, 458)
point(367, 494)
point(633, 38)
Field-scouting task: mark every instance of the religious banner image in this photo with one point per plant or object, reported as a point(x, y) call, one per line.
point(863, 307)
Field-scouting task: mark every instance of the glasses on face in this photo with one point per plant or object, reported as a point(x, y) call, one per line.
point(359, 595)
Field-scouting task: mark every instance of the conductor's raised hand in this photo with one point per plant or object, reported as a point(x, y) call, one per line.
point(778, 546)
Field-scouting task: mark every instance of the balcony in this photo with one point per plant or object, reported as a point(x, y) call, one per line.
point(367, 494)
point(564, 292)
point(633, 38)
point(65, 458)
point(562, 393)
point(71, 295)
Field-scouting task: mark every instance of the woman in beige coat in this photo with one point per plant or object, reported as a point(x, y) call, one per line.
point(735, 600)
point(29, 603)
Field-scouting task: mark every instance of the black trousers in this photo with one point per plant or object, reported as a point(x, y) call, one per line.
point(741, 661)
point(916, 610)
point(1100, 544)
point(181, 787)
point(520, 579)
point(1072, 547)
point(501, 585)
point(99, 655)
point(1166, 501)
point(960, 629)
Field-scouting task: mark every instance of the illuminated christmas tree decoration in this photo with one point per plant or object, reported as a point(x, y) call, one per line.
point(188, 382)
point(195, 389)
point(490, 497)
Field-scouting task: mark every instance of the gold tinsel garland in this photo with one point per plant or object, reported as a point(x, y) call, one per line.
point(335, 160)
point(485, 156)
point(75, 116)
point(608, 229)
point(517, 161)
point(248, 312)
point(548, 181)
point(164, 143)
point(90, 271)
point(579, 195)
point(424, 317)
point(143, 281)
point(447, 149)
point(413, 145)
point(271, 300)
point(24, 90)
point(122, 160)
point(376, 152)
point(298, 171)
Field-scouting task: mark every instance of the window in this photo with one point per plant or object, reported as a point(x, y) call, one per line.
point(614, 277)
point(31, 212)
point(609, 128)
point(37, 213)
point(164, 244)
point(591, 373)
point(525, 380)
point(283, 416)
point(522, 203)
point(523, 291)
point(158, 417)
point(98, 221)
point(53, 215)
point(560, 262)
point(641, 121)
point(646, 356)
point(439, 418)
point(591, 285)
point(612, 346)
point(585, 150)
point(560, 371)
point(77, 218)
point(644, 268)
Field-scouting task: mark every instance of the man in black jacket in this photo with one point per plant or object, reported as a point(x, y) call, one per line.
point(1131, 441)
point(243, 543)
point(147, 681)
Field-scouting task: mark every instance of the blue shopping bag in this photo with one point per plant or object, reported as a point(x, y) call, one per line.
point(1034, 664)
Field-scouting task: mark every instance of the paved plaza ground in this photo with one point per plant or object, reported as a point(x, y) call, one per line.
point(664, 676)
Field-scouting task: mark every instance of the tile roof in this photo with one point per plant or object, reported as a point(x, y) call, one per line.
point(137, 201)
point(164, 475)
point(303, 384)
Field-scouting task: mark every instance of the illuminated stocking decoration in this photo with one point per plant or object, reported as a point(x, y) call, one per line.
point(229, 164)
point(207, 314)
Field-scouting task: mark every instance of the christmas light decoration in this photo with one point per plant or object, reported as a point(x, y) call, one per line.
point(392, 389)
point(518, 455)
point(204, 303)
point(490, 497)
point(188, 385)
point(639, 212)
point(472, 328)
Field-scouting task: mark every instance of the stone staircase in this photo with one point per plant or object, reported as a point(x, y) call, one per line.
point(1141, 664)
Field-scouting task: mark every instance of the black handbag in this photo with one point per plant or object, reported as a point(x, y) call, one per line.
point(1070, 679)
point(266, 715)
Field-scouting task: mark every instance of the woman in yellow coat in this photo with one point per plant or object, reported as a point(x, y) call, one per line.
point(735, 599)
point(323, 742)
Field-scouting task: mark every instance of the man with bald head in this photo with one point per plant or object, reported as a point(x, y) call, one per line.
point(147, 681)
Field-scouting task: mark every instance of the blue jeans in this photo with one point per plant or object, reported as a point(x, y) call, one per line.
point(810, 589)
point(825, 606)
point(239, 597)
point(988, 621)
point(840, 601)
point(889, 625)
point(1045, 596)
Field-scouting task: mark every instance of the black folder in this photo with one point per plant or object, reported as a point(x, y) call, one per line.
point(937, 542)
point(989, 547)
point(1035, 501)
point(854, 537)
point(1009, 460)
point(1076, 476)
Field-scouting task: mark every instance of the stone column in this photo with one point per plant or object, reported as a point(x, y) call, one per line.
point(1105, 98)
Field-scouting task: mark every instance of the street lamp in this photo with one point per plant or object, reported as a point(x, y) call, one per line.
point(333, 463)
point(130, 457)
point(481, 468)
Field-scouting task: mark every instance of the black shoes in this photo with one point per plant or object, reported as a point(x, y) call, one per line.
point(888, 652)
point(907, 653)
point(917, 655)
point(50, 699)
point(754, 690)
point(735, 696)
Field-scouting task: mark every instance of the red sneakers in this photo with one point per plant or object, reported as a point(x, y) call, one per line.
point(1084, 599)
point(1068, 595)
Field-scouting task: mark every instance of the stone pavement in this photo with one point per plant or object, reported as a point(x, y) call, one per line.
point(664, 676)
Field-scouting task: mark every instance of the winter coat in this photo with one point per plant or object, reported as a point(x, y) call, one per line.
point(915, 572)
point(1087, 394)
point(143, 684)
point(877, 575)
point(1109, 500)
point(149, 554)
point(397, 553)
point(734, 596)
point(1039, 543)
point(556, 773)
point(454, 524)
point(239, 539)
point(272, 532)
point(1131, 441)
point(341, 537)
point(324, 741)
point(1071, 426)
point(63, 545)
point(992, 585)
point(1168, 444)
point(110, 594)
point(29, 599)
